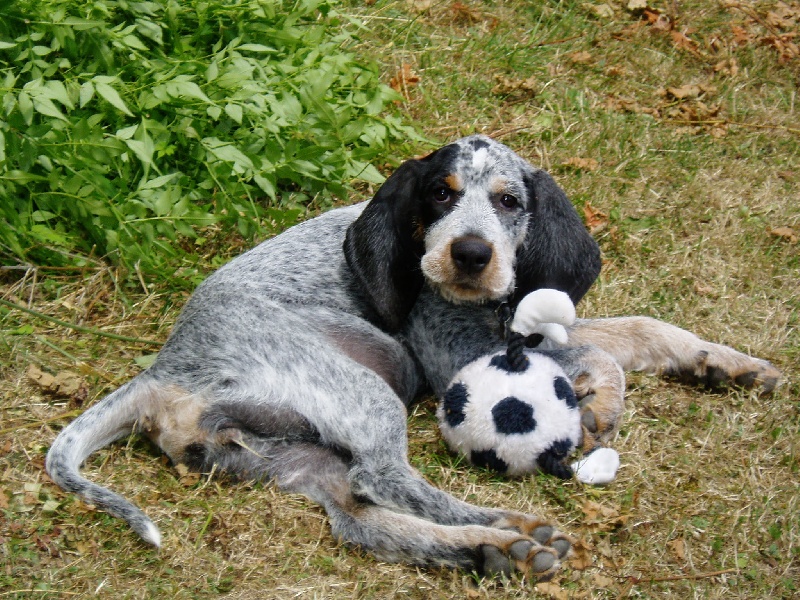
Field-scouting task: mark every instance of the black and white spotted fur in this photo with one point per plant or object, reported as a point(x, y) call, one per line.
point(296, 361)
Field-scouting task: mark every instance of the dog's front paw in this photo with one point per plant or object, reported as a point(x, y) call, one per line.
point(717, 366)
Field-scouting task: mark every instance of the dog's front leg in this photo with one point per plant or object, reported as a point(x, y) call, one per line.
point(652, 346)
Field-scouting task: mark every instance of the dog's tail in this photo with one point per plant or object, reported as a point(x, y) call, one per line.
point(107, 421)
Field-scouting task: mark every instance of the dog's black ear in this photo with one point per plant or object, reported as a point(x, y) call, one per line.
point(382, 249)
point(558, 251)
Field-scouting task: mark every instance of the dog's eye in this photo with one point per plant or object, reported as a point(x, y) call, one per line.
point(508, 201)
point(442, 194)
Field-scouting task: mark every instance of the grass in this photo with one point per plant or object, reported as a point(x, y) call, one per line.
point(694, 201)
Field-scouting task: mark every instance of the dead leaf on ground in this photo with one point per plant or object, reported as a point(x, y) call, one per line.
point(41, 378)
point(419, 6)
point(601, 581)
point(622, 104)
point(64, 383)
point(506, 86)
point(784, 45)
point(678, 548)
point(684, 42)
point(595, 219)
point(581, 57)
point(657, 20)
point(185, 476)
point(691, 90)
point(636, 5)
point(552, 590)
point(581, 164)
point(786, 233)
point(784, 17)
point(602, 517)
point(580, 558)
point(604, 11)
point(466, 13)
point(728, 67)
point(741, 36)
point(403, 80)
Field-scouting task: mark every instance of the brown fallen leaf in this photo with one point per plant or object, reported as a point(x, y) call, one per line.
point(602, 517)
point(595, 219)
point(552, 590)
point(741, 36)
point(636, 5)
point(678, 548)
point(787, 233)
point(466, 13)
point(582, 164)
point(581, 57)
point(404, 79)
point(691, 90)
point(784, 17)
point(506, 86)
point(41, 378)
point(419, 6)
point(601, 581)
point(683, 41)
point(580, 558)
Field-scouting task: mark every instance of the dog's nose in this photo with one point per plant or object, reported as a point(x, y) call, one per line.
point(470, 255)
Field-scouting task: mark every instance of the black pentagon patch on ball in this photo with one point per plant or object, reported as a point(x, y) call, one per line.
point(512, 415)
point(551, 461)
point(564, 391)
point(488, 459)
point(455, 399)
point(501, 363)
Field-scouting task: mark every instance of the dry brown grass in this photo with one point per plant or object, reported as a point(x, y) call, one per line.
point(690, 216)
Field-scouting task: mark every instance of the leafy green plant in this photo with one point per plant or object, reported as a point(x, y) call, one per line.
point(127, 126)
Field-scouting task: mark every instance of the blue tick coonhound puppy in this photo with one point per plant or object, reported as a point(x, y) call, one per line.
point(296, 361)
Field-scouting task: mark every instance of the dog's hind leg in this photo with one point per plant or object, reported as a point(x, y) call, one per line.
point(141, 404)
point(323, 475)
point(399, 518)
point(652, 346)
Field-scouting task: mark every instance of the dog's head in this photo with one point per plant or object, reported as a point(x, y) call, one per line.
point(475, 221)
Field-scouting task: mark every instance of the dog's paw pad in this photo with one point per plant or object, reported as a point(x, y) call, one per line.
point(495, 562)
point(543, 563)
point(543, 533)
point(561, 546)
point(520, 550)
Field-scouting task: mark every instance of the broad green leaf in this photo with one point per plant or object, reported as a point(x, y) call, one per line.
point(25, 107)
point(234, 111)
point(158, 182)
point(110, 95)
point(256, 48)
point(86, 93)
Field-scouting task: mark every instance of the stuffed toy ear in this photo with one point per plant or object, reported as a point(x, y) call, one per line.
point(557, 252)
point(381, 249)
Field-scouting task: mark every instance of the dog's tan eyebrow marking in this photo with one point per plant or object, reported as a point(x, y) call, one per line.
point(454, 182)
point(498, 185)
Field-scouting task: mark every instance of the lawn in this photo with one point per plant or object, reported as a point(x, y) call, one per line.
point(673, 127)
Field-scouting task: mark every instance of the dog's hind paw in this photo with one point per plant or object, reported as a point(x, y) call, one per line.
point(537, 553)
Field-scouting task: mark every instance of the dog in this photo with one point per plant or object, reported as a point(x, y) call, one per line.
point(296, 362)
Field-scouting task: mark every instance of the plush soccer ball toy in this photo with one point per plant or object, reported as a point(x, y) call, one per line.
point(516, 412)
